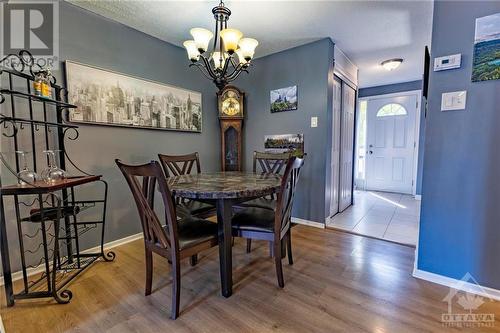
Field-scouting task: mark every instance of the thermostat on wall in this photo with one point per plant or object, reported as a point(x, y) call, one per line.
point(447, 62)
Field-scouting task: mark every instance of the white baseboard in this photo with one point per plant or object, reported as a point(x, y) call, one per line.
point(309, 223)
point(458, 284)
point(418, 197)
point(36, 270)
point(116, 243)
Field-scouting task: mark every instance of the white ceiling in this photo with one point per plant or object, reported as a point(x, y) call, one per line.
point(367, 31)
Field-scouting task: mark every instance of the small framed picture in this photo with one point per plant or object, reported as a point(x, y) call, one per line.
point(284, 99)
point(285, 143)
point(486, 64)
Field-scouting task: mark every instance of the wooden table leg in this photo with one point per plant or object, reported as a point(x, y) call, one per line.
point(224, 212)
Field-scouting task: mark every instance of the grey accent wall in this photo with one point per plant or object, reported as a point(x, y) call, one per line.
point(390, 88)
point(91, 39)
point(459, 227)
point(308, 67)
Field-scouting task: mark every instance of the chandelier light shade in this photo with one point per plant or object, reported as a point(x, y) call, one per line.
point(241, 58)
point(218, 59)
point(247, 47)
point(192, 50)
point(231, 54)
point(202, 38)
point(230, 39)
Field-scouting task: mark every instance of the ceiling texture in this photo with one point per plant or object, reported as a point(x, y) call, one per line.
point(368, 32)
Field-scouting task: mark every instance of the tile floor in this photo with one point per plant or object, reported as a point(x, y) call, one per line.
point(389, 216)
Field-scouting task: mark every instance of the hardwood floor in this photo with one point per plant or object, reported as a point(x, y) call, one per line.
point(339, 283)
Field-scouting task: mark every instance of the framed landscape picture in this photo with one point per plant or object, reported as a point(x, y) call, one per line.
point(108, 98)
point(486, 64)
point(284, 99)
point(282, 143)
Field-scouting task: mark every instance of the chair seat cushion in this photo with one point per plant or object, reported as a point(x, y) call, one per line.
point(192, 207)
point(254, 219)
point(259, 203)
point(193, 231)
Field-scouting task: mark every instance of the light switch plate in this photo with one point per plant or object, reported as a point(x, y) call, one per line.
point(454, 100)
point(314, 121)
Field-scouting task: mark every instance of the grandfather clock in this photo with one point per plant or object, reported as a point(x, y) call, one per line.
point(230, 100)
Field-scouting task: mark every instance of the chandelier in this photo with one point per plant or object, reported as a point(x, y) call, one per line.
point(221, 65)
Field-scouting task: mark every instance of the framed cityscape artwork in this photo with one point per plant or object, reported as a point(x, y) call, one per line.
point(108, 98)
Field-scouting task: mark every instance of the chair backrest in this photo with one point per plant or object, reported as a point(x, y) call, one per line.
point(270, 162)
point(176, 165)
point(142, 180)
point(285, 196)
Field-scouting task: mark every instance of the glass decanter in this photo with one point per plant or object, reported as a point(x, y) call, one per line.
point(52, 173)
point(25, 176)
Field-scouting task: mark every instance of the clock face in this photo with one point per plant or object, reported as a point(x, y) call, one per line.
point(231, 103)
point(230, 106)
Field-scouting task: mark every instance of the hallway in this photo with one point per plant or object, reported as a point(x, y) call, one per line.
point(390, 216)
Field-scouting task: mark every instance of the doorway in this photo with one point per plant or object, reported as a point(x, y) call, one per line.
point(391, 140)
point(387, 143)
point(385, 169)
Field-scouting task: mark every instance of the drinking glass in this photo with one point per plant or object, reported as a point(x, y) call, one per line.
point(25, 176)
point(52, 173)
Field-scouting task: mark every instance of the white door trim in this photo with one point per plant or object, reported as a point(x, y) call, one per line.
point(418, 93)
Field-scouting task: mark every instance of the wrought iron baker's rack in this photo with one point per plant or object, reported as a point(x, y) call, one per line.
point(51, 211)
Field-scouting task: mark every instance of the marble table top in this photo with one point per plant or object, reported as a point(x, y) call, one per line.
point(224, 185)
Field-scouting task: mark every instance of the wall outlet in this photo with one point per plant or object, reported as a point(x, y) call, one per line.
point(314, 121)
point(453, 100)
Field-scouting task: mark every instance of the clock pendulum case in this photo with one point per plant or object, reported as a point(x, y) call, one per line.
point(230, 104)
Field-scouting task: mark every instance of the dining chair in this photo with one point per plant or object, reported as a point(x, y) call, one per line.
point(178, 239)
point(272, 225)
point(176, 165)
point(268, 163)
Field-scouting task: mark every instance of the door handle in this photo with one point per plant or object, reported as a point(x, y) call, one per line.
point(370, 151)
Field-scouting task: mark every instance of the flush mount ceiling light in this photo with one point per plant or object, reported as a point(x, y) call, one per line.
point(231, 53)
point(392, 63)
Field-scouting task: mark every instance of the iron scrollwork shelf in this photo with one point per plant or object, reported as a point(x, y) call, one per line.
point(35, 98)
point(48, 216)
point(18, 123)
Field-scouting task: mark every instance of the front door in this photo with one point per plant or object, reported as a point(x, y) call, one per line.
point(391, 143)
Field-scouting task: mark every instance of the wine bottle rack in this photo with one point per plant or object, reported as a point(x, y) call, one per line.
point(48, 217)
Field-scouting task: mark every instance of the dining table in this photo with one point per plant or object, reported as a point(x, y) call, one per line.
point(224, 190)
